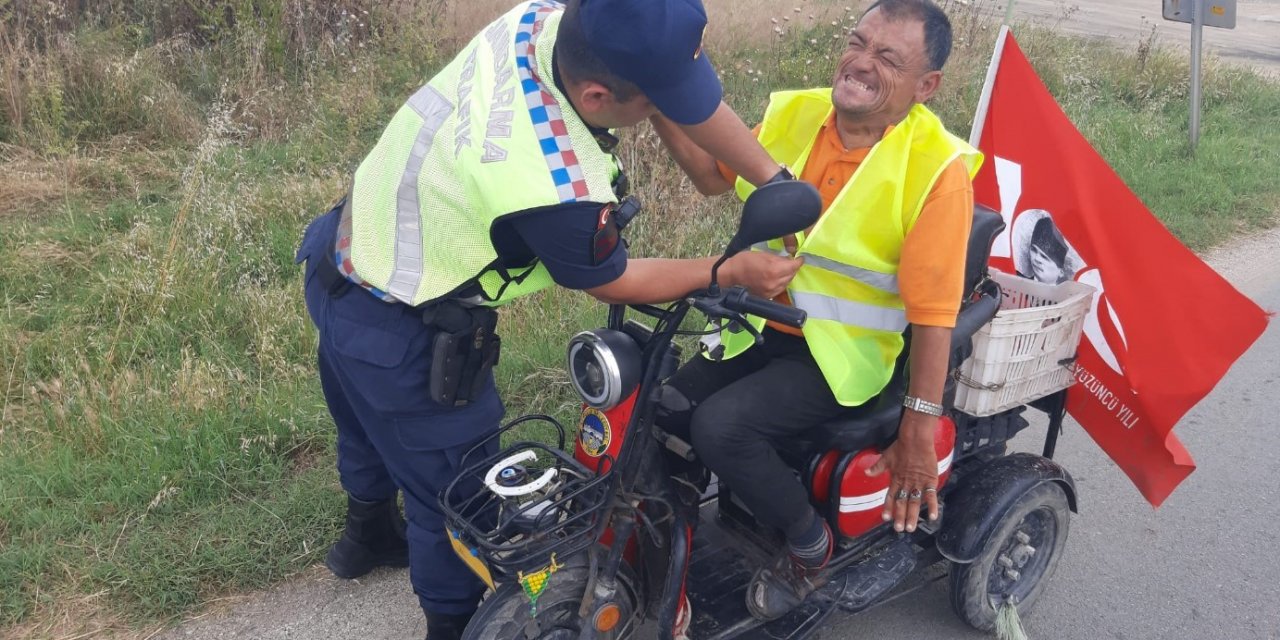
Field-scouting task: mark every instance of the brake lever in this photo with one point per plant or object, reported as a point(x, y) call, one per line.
point(742, 322)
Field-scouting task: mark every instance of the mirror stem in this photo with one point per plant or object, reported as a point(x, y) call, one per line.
point(714, 288)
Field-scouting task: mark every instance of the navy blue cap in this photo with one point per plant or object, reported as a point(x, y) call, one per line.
point(657, 45)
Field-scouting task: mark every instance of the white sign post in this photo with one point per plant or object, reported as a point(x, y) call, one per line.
point(1200, 14)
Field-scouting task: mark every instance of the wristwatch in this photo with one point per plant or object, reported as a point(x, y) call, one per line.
point(782, 175)
point(922, 406)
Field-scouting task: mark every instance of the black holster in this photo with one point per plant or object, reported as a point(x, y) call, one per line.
point(464, 351)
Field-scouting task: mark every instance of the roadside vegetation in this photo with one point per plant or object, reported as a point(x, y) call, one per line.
point(163, 440)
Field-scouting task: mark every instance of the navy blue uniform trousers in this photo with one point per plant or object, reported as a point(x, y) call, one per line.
point(374, 361)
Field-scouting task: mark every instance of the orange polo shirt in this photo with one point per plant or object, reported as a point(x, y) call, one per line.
point(931, 271)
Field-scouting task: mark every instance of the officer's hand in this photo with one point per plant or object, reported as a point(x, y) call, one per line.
point(763, 274)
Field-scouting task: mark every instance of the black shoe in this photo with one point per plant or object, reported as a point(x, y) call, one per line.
point(782, 586)
point(374, 538)
point(446, 627)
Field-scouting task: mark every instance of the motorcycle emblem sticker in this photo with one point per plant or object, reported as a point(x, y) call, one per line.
point(593, 432)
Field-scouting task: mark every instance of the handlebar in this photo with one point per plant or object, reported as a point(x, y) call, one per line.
point(738, 299)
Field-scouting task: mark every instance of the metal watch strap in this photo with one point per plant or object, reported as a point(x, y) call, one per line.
point(782, 175)
point(922, 406)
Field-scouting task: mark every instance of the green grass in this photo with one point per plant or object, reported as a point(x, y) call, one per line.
point(162, 435)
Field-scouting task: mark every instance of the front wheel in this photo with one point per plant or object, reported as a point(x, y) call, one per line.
point(1018, 560)
point(508, 615)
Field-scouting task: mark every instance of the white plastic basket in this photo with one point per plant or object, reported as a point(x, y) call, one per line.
point(1025, 352)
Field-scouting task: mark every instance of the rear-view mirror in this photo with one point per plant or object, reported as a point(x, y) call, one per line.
point(776, 210)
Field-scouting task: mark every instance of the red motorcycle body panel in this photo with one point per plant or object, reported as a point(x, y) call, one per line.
point(821, 481)
point(600, 433)
point(862, 497)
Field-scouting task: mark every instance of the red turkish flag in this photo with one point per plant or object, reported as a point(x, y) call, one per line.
point(1164, 326)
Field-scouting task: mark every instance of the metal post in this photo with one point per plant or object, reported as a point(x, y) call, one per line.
point(1057, 411)
point(1008, 12)
point(1197, 33)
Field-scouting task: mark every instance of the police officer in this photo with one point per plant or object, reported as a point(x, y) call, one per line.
point(496, 179)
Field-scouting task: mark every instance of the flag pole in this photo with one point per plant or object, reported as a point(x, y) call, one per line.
point(984, 102)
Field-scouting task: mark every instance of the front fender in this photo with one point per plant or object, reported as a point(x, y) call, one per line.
point(984, 495)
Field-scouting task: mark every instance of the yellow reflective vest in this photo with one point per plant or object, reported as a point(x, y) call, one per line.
point(849, 281)
point(488, 136)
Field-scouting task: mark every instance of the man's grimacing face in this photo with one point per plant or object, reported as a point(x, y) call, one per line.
point(882, 67)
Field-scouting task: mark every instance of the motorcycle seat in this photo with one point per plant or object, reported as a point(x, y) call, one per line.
point(875, 422)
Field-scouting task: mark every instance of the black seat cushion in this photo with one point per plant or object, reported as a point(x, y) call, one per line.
point(987, 224)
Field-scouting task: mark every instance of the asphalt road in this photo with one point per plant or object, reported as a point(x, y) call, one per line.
point(1203, 566)
point(1255, 42)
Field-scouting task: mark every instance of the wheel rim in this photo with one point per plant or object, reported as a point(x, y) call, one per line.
point(1023, 557)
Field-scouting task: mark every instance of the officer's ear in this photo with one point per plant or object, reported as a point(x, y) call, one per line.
point(593, 98)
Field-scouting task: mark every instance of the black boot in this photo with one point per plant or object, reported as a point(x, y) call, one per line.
point(446, 627)
point(374, 538)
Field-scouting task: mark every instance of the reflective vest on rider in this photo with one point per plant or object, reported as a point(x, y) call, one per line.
point(488, 136)
point(849, 281)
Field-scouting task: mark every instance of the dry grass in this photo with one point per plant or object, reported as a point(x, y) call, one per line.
point(79, 618)
point(37, 184)
point(731, 24)
point(30, 183)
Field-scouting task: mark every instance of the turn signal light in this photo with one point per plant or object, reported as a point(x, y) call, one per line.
point(607, 617)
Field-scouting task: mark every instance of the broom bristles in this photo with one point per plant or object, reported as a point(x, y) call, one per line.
point(1008, 623)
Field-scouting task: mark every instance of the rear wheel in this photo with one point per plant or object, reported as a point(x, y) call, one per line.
point(1017, 562)
point(507, 614)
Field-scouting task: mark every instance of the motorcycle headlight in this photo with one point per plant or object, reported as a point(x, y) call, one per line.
point(604, 366)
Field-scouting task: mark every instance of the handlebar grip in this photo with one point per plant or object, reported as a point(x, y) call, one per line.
point(741, 301)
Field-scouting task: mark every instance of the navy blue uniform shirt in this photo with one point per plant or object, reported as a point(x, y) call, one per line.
point(563, 239)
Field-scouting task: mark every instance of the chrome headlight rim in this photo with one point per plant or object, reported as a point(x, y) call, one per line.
point(618, 357)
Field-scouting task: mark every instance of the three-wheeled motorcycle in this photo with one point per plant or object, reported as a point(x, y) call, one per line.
point(629, 537)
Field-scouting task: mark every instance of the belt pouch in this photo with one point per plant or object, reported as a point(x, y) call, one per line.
point(464, 351)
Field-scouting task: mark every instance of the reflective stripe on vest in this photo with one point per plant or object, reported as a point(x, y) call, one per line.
point(433, 108)
point(849, 284)
point(886, 282)
point(485, 138)
point(857, 314)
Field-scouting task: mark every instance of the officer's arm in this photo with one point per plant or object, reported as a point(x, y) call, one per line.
point(726, 138)
point(655, 280)
point(568, 240)
point(699, 165)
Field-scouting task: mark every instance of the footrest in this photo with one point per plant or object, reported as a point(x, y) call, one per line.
point(865, 583)
point(718, 577)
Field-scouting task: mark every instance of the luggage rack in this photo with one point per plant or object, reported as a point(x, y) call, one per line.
point(526, 507)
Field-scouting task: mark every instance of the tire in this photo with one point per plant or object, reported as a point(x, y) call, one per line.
point(505, 615)
point(1043, 516)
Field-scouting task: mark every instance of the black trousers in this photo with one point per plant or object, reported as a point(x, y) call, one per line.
point(734, 411)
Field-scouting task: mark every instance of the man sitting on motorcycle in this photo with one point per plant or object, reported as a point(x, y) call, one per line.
point(889, 252)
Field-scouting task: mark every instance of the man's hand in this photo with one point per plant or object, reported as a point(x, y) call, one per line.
point(763, 274)
point(913, 472)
